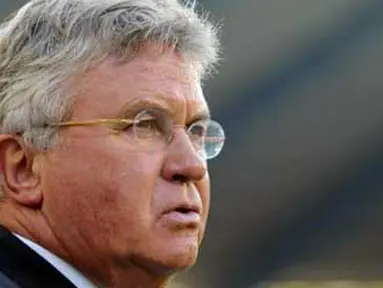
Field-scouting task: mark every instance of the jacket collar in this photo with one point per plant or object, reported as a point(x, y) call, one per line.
point(25, 267)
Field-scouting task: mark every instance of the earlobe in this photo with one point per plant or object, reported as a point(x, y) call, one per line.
point(20, 176)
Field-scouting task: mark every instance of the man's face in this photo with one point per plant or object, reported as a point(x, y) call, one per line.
point(110, 200)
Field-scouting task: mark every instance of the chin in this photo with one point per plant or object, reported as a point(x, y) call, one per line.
point(182, 258)
point(174, 256)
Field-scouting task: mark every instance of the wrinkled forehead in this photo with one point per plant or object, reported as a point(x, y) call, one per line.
point(165, 80)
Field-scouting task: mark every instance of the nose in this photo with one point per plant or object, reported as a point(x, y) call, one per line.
point(183, 163)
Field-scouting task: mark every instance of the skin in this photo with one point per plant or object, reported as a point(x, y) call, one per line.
point(95, 199)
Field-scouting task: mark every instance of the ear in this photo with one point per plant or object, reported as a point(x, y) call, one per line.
point(20, 172)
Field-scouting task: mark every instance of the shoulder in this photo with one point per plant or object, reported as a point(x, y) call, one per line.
point(20, 266)
point(5, 282)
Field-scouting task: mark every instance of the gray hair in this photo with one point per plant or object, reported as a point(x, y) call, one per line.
point(47, 42)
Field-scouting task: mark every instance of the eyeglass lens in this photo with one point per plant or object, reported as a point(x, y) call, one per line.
point(206, 136)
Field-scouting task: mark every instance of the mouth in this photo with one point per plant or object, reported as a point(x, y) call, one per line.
point(185, 209)
point(183, 216)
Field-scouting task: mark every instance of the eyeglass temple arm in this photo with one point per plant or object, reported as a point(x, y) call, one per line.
point(93, 122)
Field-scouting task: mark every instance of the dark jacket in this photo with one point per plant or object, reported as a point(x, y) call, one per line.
point(21, 267)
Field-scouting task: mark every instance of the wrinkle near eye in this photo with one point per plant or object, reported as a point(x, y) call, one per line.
point(180, 109)
point(148, 102)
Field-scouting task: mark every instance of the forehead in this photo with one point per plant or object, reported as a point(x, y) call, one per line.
point(164, 80)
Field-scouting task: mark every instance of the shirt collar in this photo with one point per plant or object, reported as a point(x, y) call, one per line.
point(70, 272)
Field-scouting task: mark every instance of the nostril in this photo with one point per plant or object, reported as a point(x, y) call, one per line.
point(179, 178)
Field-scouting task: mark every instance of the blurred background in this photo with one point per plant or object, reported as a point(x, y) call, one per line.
point(297, 192)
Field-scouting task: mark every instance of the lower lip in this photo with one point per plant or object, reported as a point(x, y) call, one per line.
point(190, 218)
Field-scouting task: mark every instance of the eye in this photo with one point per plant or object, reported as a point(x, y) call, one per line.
point(197, 133)
point(149, 124)
point(198, 129)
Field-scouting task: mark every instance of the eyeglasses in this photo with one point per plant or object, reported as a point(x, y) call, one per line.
point(153, 129)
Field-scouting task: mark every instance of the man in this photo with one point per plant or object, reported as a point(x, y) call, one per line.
point(105, 134)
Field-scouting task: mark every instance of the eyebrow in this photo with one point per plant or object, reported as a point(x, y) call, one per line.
point(198, 117)
point(131, 108)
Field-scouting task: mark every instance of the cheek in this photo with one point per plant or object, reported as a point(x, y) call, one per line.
point(108, 191)
point(204, 189)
